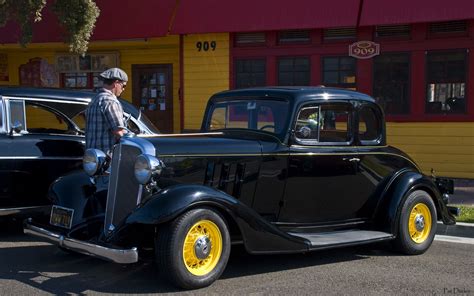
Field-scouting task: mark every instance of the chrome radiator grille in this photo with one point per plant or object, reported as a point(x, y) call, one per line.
point(124, 191)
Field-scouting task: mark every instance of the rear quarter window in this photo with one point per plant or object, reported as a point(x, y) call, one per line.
point(370, 127)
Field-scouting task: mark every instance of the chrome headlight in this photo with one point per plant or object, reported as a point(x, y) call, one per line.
point(146, 167)
point(93, 161)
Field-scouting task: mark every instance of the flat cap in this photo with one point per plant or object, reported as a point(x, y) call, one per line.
point(114, 74)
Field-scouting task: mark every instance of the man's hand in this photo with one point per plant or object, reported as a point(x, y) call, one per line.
point(118, 133)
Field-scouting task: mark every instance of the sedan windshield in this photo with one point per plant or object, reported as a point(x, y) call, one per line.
point(264, 115)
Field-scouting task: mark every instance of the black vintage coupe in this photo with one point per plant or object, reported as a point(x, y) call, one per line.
point(278, 170)
point(42, 138)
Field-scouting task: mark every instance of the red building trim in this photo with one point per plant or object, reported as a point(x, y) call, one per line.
point(417, 45)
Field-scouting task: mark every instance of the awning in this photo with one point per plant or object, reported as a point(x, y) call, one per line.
point(118, 20)
point(212, 16)
point(379, 12)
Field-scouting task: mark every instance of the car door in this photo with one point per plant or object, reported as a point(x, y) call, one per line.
point(323, 184)
point(46, 146)
point(6, 160)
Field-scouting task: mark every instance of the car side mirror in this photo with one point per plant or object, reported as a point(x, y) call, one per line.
point(16, 127)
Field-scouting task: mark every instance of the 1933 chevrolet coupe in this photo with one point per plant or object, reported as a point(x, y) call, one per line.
point(278, 170)
point(42, 138)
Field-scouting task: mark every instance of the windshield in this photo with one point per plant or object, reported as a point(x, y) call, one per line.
point(264, 115)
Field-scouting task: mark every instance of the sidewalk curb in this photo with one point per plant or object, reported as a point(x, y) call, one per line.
point(460, 229)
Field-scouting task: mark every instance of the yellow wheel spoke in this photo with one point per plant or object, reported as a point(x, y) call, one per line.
point(419, 223)
point(204, 230)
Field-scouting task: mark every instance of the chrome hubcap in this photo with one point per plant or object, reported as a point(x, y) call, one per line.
point(419, 222)
point(202, 247)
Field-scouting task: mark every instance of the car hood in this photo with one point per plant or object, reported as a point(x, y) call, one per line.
point(208, 144)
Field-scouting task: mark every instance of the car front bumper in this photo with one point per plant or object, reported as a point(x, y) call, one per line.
point(123, 256)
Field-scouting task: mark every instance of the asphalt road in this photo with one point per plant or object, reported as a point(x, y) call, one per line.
point(31, 267)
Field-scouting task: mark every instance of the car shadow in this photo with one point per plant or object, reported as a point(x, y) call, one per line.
point(47, 268)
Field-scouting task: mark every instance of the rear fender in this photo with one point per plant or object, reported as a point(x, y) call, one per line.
point(258, 235)
point(388, 211)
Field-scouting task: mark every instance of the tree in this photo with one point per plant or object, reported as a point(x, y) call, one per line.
point(77, 17)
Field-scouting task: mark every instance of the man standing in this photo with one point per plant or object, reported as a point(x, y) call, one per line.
point(104, 115)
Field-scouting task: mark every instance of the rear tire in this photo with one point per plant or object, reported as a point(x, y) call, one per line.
point(192, 251)
point(417, 224)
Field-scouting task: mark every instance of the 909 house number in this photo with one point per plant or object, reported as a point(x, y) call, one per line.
point(206, 45)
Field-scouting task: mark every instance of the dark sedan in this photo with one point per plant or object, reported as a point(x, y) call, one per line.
point(42, 138)
point(278, 170)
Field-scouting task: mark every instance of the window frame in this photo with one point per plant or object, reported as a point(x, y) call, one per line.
point(236, 60)
point(340, 85)
point(280, 58)
point(409, 82)
point(428, 81)
point(378, 116)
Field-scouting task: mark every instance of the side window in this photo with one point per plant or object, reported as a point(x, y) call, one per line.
point(80, 120)
point(42, 120)
point(307, 125)
point(334, 123)
point(328, 123)
point(369, 125)
point(17, 114)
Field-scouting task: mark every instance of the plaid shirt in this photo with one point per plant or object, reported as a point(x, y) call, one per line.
point(103, 115)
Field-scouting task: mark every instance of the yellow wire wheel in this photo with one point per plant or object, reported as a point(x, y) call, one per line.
point(419, 223)
point(202, 247)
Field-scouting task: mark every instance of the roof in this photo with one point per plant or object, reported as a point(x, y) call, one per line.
point(61, 94)
point(295, 93)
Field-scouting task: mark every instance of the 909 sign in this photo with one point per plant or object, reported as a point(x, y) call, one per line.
point(206, 45)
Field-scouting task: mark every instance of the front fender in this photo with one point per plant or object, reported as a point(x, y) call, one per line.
point(388, 210)
point(167, 204)
point(258, 234)
point(76, 191)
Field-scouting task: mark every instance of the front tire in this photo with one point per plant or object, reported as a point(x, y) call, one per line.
point(192, 251)
point(417, 224)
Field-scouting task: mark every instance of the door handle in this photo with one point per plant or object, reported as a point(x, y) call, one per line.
point(351, 159)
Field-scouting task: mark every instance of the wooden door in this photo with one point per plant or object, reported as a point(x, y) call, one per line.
point(153, 93)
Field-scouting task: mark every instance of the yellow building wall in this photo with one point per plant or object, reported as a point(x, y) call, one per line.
point(205, 73)
point(447, 147)
point(163, 50)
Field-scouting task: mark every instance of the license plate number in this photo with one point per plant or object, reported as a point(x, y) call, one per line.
point(61, 217)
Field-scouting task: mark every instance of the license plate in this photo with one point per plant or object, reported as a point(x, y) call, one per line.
point(61, 217)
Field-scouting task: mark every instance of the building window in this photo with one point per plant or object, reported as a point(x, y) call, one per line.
point(441, 29)
point(82, 72)
point(333, 34)
point(397, 31)
point(250, 73)
point(446, 82)
point(391, 82)
point(294, 71)
point(253, 38)
point(293, 36)
point(339, 72)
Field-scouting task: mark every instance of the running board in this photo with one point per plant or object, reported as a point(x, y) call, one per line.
point(342, 238)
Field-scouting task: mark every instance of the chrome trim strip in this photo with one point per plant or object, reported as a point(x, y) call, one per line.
point(72, 100)
point(183, 135)
point(112, 188)
point(14, 211)
point(122, 256)
point(41, 157)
